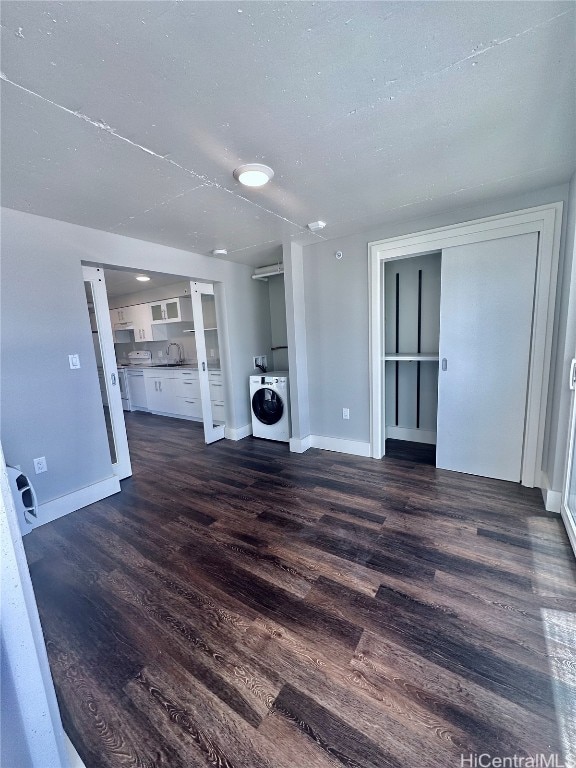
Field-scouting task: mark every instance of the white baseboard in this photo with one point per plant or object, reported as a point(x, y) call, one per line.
point(63, 505)
point(552, 499)
point(238, 434)
point(412, 435)
point(341, 445)
point(300, 445)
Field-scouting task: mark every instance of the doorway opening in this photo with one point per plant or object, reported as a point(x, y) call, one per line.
point(163, 347)
point(411, 347)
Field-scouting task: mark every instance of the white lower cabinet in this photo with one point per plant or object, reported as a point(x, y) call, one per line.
point(161, 387)
point(177, 393)
point(189, 403)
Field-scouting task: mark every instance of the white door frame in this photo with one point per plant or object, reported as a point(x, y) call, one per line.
point(569, 515)
point(122, 468)
point(546, 221)
point(212, 432)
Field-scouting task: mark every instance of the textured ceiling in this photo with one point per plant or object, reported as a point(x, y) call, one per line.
point(130, 117)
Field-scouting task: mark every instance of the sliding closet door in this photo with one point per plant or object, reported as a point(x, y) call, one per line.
point(485, 332)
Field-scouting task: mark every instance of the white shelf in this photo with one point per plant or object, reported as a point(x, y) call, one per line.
point(193, 330)
point(416, 357)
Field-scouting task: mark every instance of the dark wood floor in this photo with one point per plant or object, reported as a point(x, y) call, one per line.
point(419, 453)
point(238, 605)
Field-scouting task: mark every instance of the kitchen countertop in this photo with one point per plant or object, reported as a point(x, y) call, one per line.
point(183, 367)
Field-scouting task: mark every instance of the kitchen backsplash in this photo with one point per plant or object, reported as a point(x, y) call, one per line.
point(187, 342)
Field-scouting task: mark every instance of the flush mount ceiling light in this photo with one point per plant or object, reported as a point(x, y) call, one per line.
point(219, 252)
point(142, 278)
point(314, 226)
point(253, 174)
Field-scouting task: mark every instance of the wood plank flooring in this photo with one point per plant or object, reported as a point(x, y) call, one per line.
point(240, 606)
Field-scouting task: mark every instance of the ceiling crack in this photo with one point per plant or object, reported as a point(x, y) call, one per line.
point(494, 44)
point(248, 247)
point(158, 205)
point(101, 125)
point(423, 76)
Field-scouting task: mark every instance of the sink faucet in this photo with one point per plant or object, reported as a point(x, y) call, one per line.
point(179, 348)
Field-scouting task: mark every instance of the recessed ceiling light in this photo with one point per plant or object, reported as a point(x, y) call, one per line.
point(219, 252)
point(253, 174)
point(143, 278)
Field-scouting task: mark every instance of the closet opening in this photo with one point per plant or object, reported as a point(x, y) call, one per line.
point(411, 356)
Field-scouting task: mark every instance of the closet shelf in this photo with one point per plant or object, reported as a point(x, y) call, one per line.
point(415, 356)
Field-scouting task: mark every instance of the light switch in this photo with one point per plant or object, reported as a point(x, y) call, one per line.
point(74, 361)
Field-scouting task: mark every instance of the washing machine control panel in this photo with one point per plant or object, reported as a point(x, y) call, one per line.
point(280, 382)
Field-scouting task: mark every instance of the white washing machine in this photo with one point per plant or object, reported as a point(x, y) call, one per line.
point(270, 406)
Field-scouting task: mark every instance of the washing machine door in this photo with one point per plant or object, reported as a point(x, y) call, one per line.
point(267, 406)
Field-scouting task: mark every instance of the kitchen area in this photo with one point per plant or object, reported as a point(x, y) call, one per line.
point(156, 348)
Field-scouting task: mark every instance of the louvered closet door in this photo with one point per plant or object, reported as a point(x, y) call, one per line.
point(485, 334)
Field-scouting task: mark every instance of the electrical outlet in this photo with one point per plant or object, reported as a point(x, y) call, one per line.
point(74, 361)
point(260, 360)
point(212, 353)
point(40, 465)
point(345, 413)
point(160, 354)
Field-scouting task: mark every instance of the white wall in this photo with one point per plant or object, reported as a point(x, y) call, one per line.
point(336, 304)
point(49, 410)
point(279, 333)
point(46, 408)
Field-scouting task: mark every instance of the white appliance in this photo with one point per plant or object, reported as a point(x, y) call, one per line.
point(140, 357)
point(270, 406)
point(135, 387)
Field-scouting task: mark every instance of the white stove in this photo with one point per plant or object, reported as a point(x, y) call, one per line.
point(141, 357)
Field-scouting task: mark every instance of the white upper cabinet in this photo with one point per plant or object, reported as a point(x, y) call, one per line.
point(142, 322)
point(171, 310)
point(122, 316)
point(146, 320)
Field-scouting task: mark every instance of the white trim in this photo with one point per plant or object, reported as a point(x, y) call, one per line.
point(300, 445)
point(73, 756)
point(412, 435)
point(545, 220)
point(552, 499)
point(340, 445)
point(238, 434)
point(63, 505)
